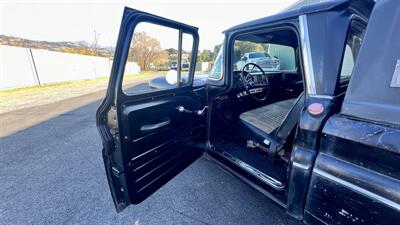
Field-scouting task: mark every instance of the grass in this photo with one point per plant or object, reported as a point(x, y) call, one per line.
point(24, 97)
point(52, 85)
point(144, 74)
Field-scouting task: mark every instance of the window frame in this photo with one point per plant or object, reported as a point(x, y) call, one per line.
point(133, 23)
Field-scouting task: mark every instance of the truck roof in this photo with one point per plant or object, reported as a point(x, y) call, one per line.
point(361, 5)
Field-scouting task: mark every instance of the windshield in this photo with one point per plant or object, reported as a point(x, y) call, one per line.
point(216, 71)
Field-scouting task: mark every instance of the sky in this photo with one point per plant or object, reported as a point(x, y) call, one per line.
point(77, 21)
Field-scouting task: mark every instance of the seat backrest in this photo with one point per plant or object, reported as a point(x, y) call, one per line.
point(291, 119)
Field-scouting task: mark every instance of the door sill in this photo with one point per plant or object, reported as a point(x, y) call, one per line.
point(270, 181)
point(279, 197)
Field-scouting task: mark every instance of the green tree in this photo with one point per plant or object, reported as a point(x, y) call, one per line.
point(216, 50)
point(172, 51)
point(206, 56)
point(242, 47)
point(146, 50)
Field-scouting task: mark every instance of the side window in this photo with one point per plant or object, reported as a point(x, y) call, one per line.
point(216, 70)
point(353, 44)
point(154, 61)
point(347, 65)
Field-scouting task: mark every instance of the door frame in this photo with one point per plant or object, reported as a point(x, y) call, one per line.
point(108, 115)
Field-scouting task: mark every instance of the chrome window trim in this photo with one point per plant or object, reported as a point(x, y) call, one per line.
point(306, 53)
point(323, 96)
point(301, 166)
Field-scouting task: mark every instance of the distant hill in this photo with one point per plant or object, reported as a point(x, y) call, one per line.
point(80, 47)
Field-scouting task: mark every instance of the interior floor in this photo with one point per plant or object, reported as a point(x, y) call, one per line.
point(230, 143)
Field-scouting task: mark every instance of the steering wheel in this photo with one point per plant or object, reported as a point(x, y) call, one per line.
point(256, 87)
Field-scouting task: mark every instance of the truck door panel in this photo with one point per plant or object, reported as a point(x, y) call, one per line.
point(146, 139)
point(356, 176)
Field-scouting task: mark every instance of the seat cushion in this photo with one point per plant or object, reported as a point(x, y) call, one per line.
point(268, 118)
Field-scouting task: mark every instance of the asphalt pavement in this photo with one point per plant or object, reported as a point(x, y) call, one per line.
point(51, 172)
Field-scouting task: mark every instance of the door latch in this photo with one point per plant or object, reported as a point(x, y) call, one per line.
point(199, 112)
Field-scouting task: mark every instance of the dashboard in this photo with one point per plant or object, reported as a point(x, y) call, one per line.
point(279, 82)
point(258, 79)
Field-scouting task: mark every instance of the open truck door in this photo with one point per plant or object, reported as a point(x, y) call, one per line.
point(150, 135)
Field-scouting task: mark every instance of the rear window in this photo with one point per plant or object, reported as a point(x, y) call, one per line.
point(353, 44)
point(279, 57)
point(258, 55)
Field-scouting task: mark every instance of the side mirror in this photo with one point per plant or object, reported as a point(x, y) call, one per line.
point(244, 58)
point(172, 77)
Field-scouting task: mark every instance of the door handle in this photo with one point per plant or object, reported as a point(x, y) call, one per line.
point(199, 112)
point(150, 127)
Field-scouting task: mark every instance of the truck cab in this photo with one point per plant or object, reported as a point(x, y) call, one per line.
point(319, 135)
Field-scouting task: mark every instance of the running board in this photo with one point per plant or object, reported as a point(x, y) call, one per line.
point(275, 184)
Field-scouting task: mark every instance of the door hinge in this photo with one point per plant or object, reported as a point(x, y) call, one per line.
point(112, 118)
point(114, 131)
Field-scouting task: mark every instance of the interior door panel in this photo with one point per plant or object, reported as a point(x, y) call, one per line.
point(154, 156)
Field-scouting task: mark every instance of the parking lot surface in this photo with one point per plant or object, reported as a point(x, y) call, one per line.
point(51, 172)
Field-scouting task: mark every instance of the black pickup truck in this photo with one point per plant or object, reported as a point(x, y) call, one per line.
point(320, 136)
